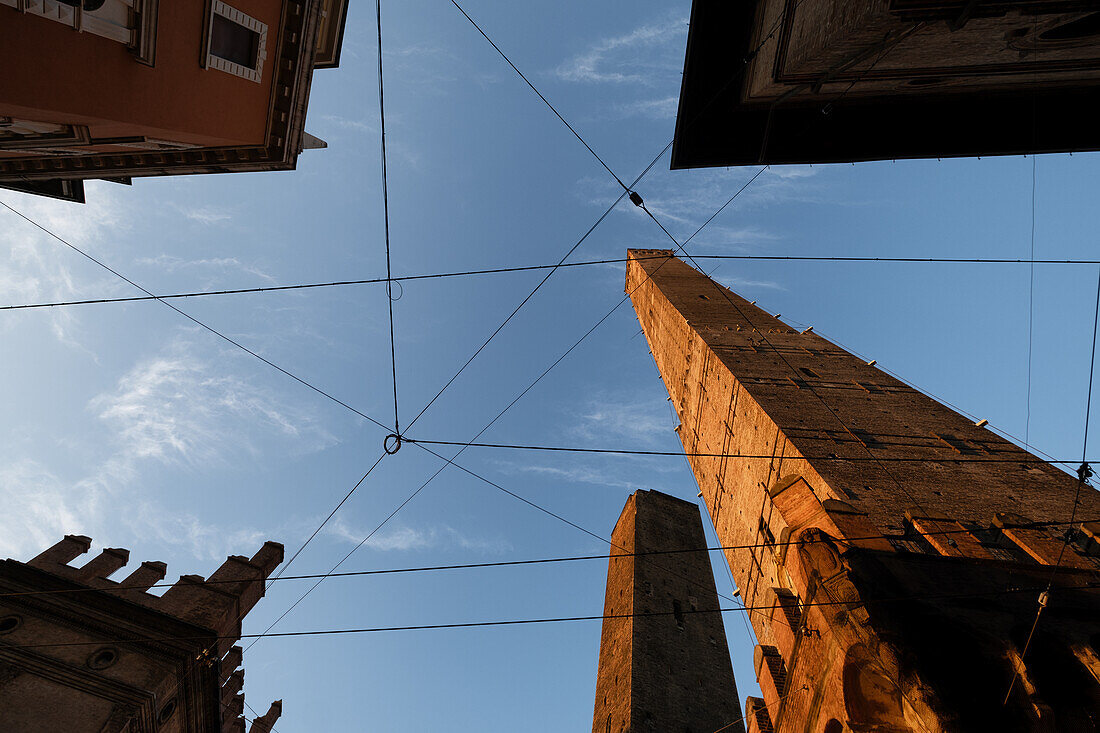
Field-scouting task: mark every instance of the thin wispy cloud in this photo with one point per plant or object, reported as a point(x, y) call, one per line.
point(640, 56)
point(656, 109)
point(34, 266)
point(172, 410)
point(575, 474)
point(740, 283)
point(346, 123)
point(692, 199)
point(426, 65)
point(175, 408)
point(39, 508)
point(203, 539)
point(399, 148)
point(615, 472)
point(208, 265)
point(409, 539)
point(207, 215)
point(735, 240)
point(683, 202)
point(626, 423)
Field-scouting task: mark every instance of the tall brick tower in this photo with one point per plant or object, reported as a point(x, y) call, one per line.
point(80, 653)
point(669, 671)
point(893, 551)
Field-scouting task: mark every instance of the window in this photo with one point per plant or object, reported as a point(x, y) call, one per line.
point(16, 134)
point(130, 23)
point(235, 43)
point(1001, 547)
point(912, 541)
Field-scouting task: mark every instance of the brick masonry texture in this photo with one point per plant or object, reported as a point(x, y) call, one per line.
point(865, 492)
point(670, 672)
point(81, 653)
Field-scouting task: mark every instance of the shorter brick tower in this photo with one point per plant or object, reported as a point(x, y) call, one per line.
point(83, 654)
point(668, 671)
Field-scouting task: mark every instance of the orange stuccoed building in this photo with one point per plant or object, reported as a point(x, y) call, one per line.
point(893, 554)
point(114, 89)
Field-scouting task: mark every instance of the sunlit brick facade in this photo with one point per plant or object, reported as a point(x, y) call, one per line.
point(81, 653)
point(893, 551)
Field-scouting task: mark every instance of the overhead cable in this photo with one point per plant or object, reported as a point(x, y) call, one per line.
point(386, 218)
point(529, 268)
point(538, 561)
point(194, 320)
point(559, 619)
point(830, 457)
point(540, 94)
point(530, 295)
point(1083, 474)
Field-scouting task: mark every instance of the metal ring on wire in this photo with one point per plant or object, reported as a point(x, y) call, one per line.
point(389, 290)
point(392, 443)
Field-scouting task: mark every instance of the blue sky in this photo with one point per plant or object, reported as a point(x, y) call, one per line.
point(129, 424)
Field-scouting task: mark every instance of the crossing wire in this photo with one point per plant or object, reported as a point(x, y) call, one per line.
point(540, 95)
point(766, 706)
point(389, 279)
point(706, 587)
point(279, 576)
point(635, 198)
point(538, 287)
point(451, 461)
point(332, 571)
point(1083, 474)
point(537, 561)
point(887, 46)
point(1031, 299)
point(194, 320)
point(500, 414)
point(1004, 434)
point(386, 217)
point(722, 291)
point(1085, 471)
point(1000, 431)
point(623, 451)
point(560, 619)
point(529, 268)
point(331, 514)
point(627, 190)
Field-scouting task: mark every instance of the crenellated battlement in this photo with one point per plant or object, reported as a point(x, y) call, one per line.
point(195, 618)
point(217, 603)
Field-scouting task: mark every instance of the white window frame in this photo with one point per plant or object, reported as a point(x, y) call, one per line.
point(217, 7)
point(79, 20)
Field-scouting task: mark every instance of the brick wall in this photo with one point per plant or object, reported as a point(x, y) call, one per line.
point(667, 672)
point(816, 444)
